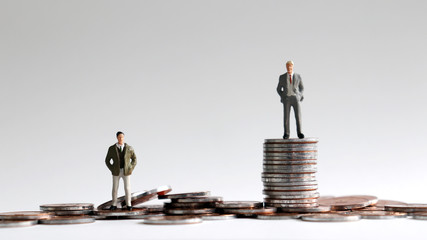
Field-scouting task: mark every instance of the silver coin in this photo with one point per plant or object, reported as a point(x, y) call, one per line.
point(292, 205)
point(190, 205)
point(327, 217)
point(292, 140)
point(289, 162)
point(17, 223)
point(25, 215)
point(249, 211)
point(143, 216)
point(198, 200)
point(289, 194)
point(306, 170)
point(291, 155)
point(171, 220)
point(288, 176)
point(186, 195)
point(288, 180)
point(317, 209)
point(285, 147)
point(419, 215)
point(291, 184)
point(274, 200)
point(67, 220)
point(216, 216)
point(295, 197)
point(380, 214)
point(120, 212)
point(66, 207)
point(293, 188)
point(73, 213)
point(151, 208)
point(299, 158)
point(278, 216)
point(240, 204)
point(292, 168)
point(183, 211)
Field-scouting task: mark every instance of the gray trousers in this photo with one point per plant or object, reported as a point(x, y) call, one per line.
point(126, 181)
point(291, 101)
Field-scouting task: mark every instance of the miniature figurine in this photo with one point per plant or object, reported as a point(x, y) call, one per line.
point(290, 89)
point(124, 161)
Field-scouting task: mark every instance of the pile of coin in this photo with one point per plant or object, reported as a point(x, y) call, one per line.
point(191, 203)
point(244, 209)
point(288, 175)
point(68, 213)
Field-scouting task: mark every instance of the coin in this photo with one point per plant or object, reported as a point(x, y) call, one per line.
point(292, 141)
point(240, 204)
point(288, 180)
point(289, 162)
point(288, 176)
point(188, 211)
point(407, 208)
point(66, 207)
point(25, 215)
point(190, 205)
point(290, 158)
point(419, 215)
point(67, 220)
point(250, 211)
point(217, 216)
point(300, 196)
point(278, 216)
point(290, 194)
point(294, 168)
point(169, 220)
point(307, 170)
point(290, 147)
point(144, 216)
point(185, 195)
point(121, 212)
point(305, 209)
point(329, 217)
point(291, 155)
point(380, 214)
point(152, 208)
point(17, 223)
point(290, 184)
point(380, 205)
point(294, 188)
point(73, 213)
point(273, 200)
point(148, 195)
point(292, 205)
point(348, 202)
point(198, 200)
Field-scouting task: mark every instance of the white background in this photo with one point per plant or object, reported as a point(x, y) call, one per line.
point(193, 86)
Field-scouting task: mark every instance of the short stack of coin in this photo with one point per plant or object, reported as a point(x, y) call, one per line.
point(288, 176)
point(244, 208)
point(192, 203)
point(68, 213)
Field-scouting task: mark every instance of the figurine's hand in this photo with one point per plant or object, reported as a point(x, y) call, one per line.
point(302, 98)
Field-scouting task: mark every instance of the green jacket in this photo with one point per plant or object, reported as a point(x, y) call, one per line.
point(113, 153)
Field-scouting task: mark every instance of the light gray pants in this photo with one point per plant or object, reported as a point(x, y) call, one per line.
point(291, 101)
point(126, 180)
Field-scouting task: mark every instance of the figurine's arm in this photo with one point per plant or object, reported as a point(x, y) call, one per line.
point(301, 88)
point(107, 160)
point(133, 157)
point(279, 88)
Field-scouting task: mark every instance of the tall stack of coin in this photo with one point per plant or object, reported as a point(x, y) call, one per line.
point(289, 173)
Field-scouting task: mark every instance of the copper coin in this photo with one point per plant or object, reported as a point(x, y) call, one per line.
point(148, 195)
point(190, 205)
point(25, 215)
point(419, 215)
point(152, 208)
point(292, 205)
point(348, 202)
point(121, 212)
point(185, 195)
point(184, 211)
point(380, 214)
point(198, 200)
point(66, 207)
point(72, 213)
point(407, 208)
point(240, 204)
point(250, 210)
point(107, 205)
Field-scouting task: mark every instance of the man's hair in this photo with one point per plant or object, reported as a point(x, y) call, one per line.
point(118, 133)
point(289, 62)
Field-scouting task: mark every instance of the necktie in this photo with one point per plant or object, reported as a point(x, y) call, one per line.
point(290, 78)
point(120, 148)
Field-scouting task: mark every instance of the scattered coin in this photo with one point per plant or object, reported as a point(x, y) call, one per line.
point(407, 208)
point(67, 220)
point(25, 215)
point(66, 207)
point(279, 216)
point(273, 200)
point(198, 200)
point(319, 209)
point(107, 204)
point(121, 212)
point(151, 208)
point(190, 205)
point(148, 195)
point(380, 214)
point(72, 213)
point(328, 217)
point(170, 220)
point(241, 204)
point(250, 211)
point(292, 205)
point(17, 223)
point(216, 216)
point(419, 215)
point(186, 195)
point(348, 202)
point(188, 211)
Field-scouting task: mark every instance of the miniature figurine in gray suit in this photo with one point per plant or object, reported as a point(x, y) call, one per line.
point(290, 90)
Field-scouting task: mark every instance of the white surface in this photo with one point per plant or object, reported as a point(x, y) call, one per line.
point(192, 84)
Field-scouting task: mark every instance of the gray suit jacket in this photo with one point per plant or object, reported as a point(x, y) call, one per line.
point(296, 84)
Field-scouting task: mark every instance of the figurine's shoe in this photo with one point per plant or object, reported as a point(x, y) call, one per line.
point(129, 208)
point(113, 208)
point(286, 136)
point(300, 135)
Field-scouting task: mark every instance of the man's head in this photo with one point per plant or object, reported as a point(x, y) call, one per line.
point(290, 66)
point(120, 137)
